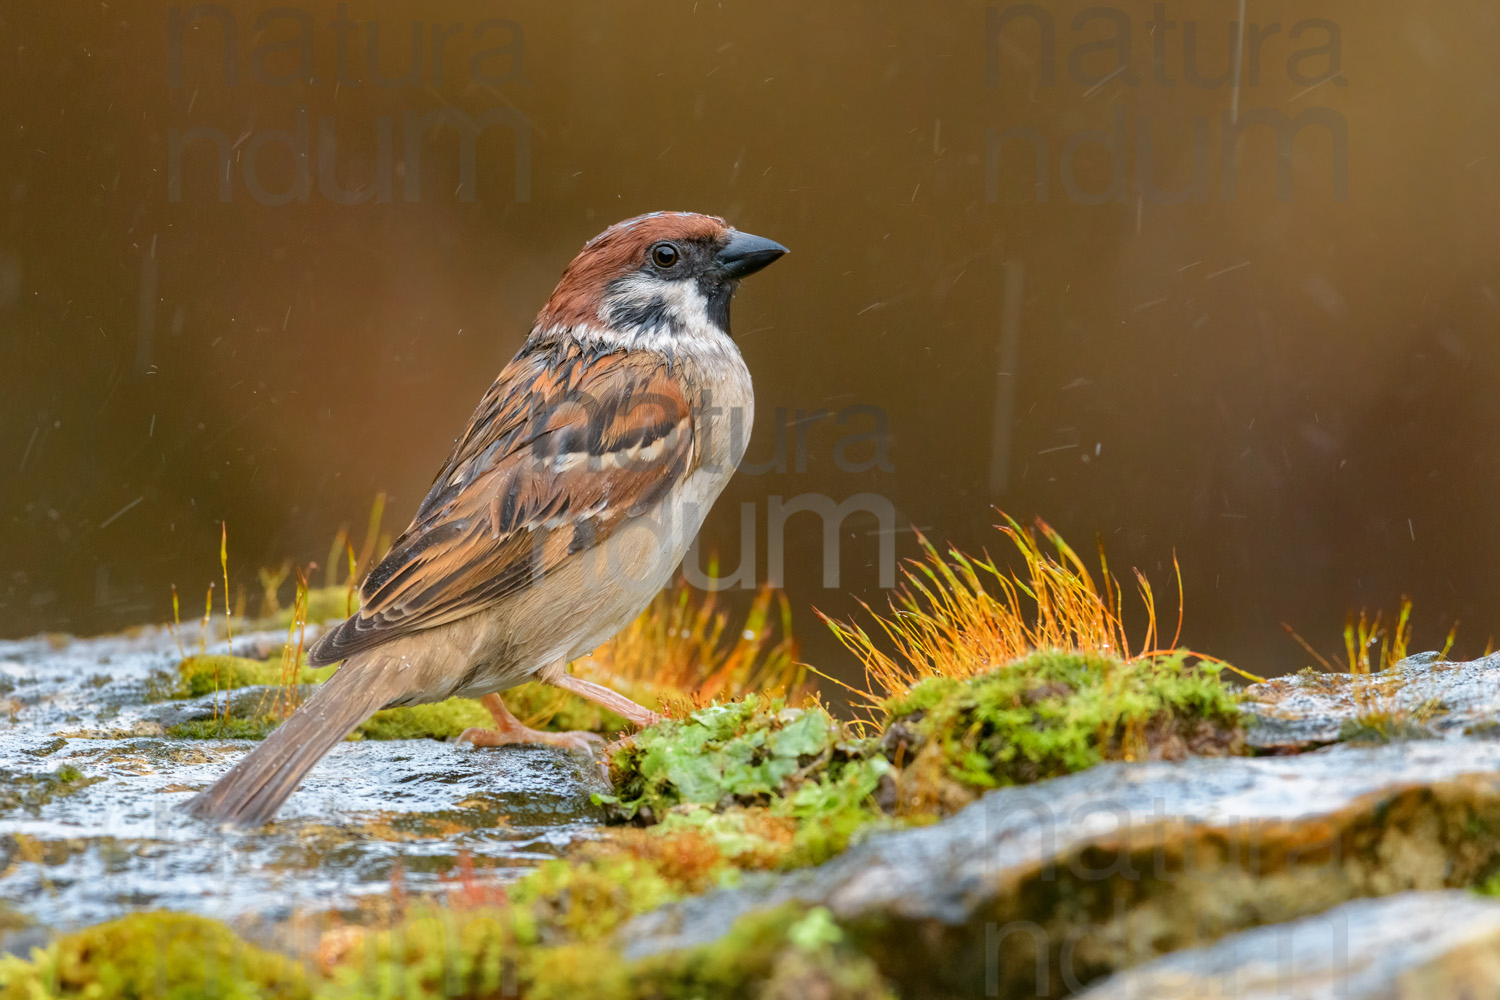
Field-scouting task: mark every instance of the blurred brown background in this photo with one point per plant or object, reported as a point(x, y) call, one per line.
point(1294, 394)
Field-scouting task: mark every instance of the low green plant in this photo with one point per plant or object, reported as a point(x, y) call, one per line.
point(758, 783)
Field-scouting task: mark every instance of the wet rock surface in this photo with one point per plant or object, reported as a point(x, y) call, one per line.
point(89, 828)
point(1041, 890)
point(1326, 867)
point(1411, 946)
point(1421, 697)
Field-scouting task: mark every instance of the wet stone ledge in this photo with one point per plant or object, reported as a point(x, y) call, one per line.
point(1411, 946)
point(1421, 697)
point(1043, 890)
point(89, 829)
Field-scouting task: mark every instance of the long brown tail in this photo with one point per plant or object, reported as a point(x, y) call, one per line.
point(255, 788)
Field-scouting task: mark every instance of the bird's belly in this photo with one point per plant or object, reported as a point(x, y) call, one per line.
point(647, 551)
point(585, 602)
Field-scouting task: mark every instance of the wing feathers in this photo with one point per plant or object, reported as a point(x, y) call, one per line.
point(561, 450)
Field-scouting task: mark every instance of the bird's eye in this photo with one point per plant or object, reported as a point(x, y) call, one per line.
point(664, 255)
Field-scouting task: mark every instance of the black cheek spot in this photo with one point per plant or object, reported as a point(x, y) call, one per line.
point(652, 312)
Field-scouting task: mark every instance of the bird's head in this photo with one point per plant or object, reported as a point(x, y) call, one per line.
point(655, 281)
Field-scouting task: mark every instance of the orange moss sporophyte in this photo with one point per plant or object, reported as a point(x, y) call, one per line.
point(1362, 635)
point(981, 676)
point(1373, 646)
point(959, 616)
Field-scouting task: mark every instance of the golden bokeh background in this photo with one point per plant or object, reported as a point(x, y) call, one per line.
point(1296, 395)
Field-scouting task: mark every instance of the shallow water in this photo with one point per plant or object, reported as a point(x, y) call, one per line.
point(369, 808)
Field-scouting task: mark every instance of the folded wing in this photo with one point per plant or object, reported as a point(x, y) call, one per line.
point(563, 449)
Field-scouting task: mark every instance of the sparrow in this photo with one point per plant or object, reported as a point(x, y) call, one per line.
point(563, 509)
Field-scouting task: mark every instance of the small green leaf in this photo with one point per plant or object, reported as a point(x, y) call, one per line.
point(696, 777)
point(810, 733)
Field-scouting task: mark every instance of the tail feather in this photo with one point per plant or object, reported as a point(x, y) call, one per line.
point(255, 788)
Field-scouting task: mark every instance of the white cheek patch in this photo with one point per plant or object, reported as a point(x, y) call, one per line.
point(683, 309)
point(683, 329)
point(685, 301)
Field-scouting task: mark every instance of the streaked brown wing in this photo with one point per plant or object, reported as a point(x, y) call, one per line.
point(562, 449)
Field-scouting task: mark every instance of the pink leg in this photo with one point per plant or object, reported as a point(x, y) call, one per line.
point(600, 695)
point(508, 729)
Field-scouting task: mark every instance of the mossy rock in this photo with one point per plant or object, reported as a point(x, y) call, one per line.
point(234, 727)
point(200, 675)
point(1051, 714)
point(554, 939)
point(204, 674)
point(786, 953)
point(439, 721)
point(172, 956)
point(443, 720)
point(446, 720)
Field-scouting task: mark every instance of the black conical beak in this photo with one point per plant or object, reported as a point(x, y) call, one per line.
point(745, 254)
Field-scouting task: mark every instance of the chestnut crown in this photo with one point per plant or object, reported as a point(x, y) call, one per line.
point(666, 274)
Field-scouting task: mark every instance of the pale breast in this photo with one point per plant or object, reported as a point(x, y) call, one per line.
point(590, 598)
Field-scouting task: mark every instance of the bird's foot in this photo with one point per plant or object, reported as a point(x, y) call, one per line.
point(508, 729)
point(573, 739)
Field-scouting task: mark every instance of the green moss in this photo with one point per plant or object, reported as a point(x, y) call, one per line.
point(780, 954)
point(1055, 713)
point(1382, 726)
point(441, 720)
point(587, 899)
point(557, 923)
point(434, 952)
point(553, 943)
point(448, 719)
point(786, 953)
point(225, 728)
point(769, 786)
point(444, 720)
point(32, 791)
point(172, 956)
point(200, 675)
